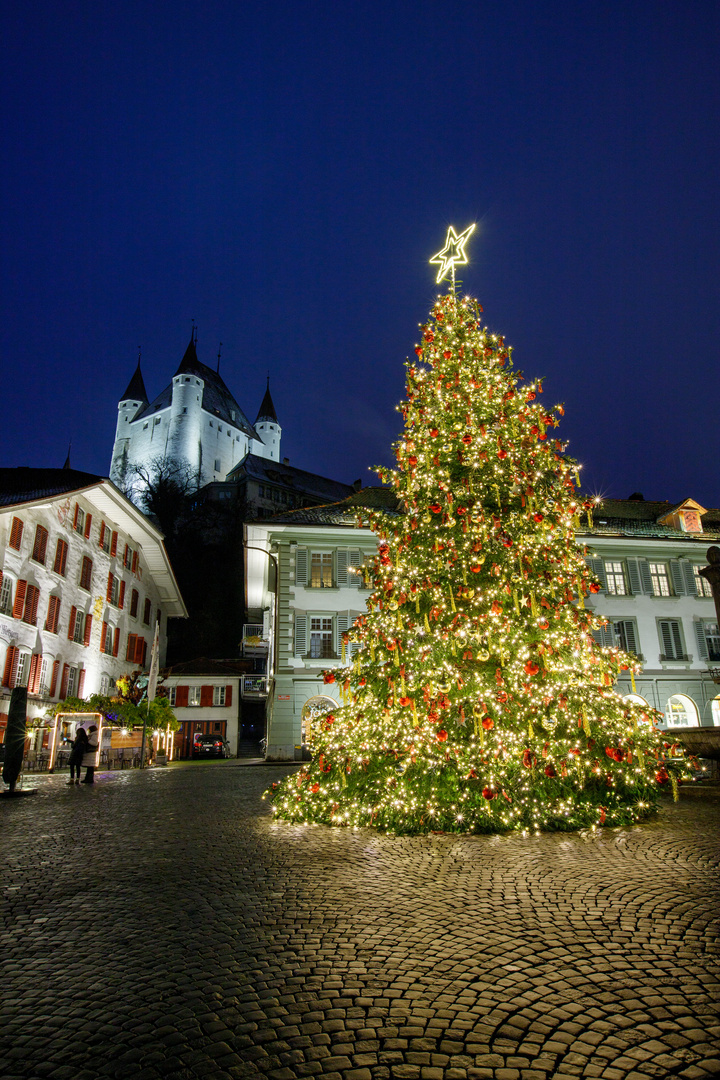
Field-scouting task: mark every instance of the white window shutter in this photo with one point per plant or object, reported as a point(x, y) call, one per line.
point(676, 574)
point(645, 576)
point(634, 577)
point(300, 633)
point(341, 556)
point(354, 580)
point(301, 566)
point(266, 622)
point(701, 639)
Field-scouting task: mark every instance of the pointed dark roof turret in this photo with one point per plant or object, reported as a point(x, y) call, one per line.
point(267, 409)
point(190, 365)
point(136, 388)
point(67, 464)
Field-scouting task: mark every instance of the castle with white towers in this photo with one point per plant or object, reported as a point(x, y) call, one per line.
point(194, 422)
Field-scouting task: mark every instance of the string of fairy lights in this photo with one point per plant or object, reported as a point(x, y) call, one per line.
point(474, 696)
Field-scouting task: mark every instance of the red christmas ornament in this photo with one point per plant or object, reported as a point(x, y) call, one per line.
point(315, 788)
point(531, 668)
point(538, 517)
point(467, 439)
point(550, 771)
point(405, 701)
point(436, 508)
point(529, 759)
point(433, 432)
point(594, 587)
point(328, 677)
point(441, 735)
point(447, 354)
point(488, 793)
point(488, 723)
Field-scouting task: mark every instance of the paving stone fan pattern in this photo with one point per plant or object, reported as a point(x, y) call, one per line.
point(161, 926)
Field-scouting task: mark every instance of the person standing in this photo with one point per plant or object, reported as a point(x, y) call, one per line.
point(90, 755)
point(77, 754)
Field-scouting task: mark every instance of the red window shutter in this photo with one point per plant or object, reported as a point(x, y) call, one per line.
point(130, 649)
point(40, 545)
point(103, 636)
point(88, 629)
point(33, 677)
point(71, 624)
point(228, 695)
point(181, 697)
point(86, 573)
point(75, 517)
point(88, 523)
point(31, 605)
point(134, 562)
point(113, 544)
point(146, 613)
point(110, 586)
point(53, 680)
point(206, 695)
point(121, 597)
point(11, 662)
point(81, 682)
point(20, 590)
point(64, 681)
point(60, 557)
point(134, 598)
point(53, 615)
point(116, 640)
point(126, 555)
point(16, 532)
point(102, 534)
point(144, 651)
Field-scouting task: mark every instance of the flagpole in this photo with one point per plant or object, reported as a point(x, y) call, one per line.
point(151, 688)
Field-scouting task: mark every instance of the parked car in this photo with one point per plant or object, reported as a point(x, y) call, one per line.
point(207, 746)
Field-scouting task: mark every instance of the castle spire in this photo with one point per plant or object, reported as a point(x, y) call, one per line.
point(136, 387)
point(267, 409)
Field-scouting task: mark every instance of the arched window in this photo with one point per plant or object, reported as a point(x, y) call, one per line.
point(636, 699)
point(715, 710)
point(681, 711)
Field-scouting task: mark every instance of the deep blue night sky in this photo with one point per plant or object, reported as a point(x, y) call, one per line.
point(283, 172)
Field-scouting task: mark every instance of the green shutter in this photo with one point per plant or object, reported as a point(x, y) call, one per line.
point(645, 576)
point(301, 566)
point(341, 566)
point(354, 580)
point(676, 577)
point(631, 636)
point(598, 568)
point(300, 633)
point(342, 622)
point(701, 639)
point(690, 584)
point(634, 577)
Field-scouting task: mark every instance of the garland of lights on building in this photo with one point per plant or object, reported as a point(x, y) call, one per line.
point(473, 695)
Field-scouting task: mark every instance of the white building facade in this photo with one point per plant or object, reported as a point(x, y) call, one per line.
point(301, 594)
point(195, 423)
point(84, 578)
point(647, 557)
point(303, 590)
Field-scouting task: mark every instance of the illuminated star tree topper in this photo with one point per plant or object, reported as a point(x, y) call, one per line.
point(452, 254)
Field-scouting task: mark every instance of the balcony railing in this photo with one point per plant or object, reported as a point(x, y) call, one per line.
point(255, 642)
point(254, 686)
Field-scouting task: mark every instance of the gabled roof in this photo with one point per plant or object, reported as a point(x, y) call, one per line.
point(267, 409)
point(25, 488)
point(290, 478)
point(640, 517)
point(217, 399)
point(136, 388)
point(23, 485)
point(345, 512)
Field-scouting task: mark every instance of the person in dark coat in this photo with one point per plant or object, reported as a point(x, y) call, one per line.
point(77, 754)
point(90, 755)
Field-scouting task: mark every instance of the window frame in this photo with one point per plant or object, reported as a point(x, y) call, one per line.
point(615, 570)
point(659, 572)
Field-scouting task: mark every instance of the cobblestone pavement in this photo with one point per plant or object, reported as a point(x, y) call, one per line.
point(160, 926)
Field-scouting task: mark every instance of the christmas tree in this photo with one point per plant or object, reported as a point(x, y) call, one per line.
point(473, 695)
